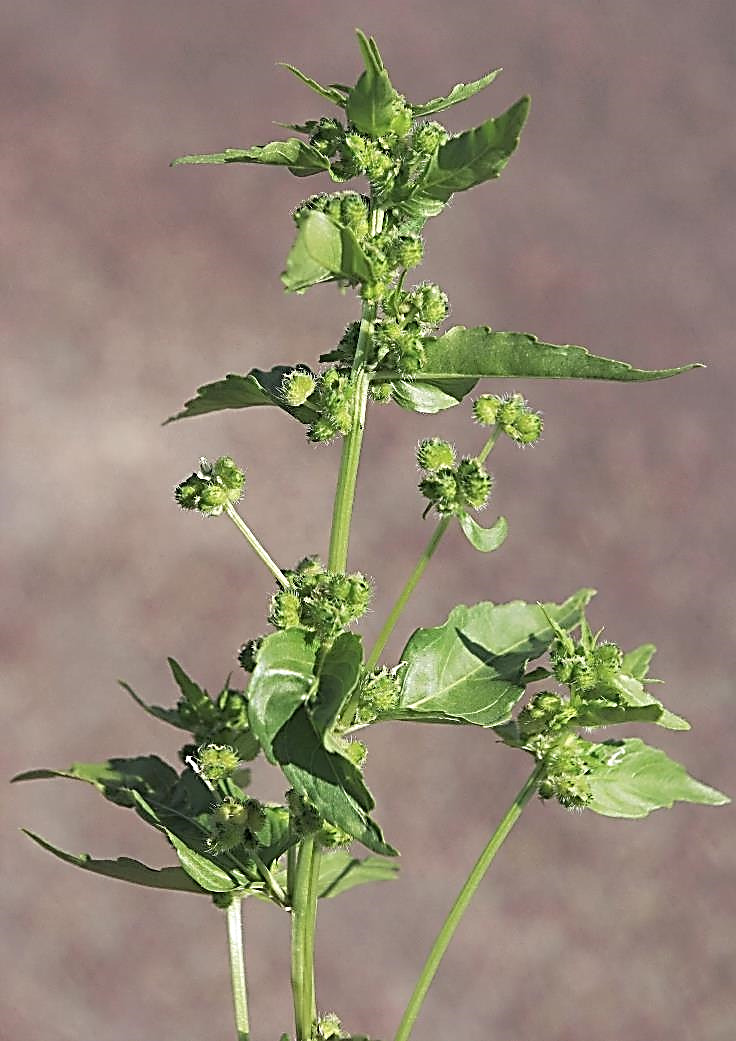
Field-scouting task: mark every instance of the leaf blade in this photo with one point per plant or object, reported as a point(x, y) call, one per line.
point(252, 390)
point(297, 156)
point(460, 92)
point(471, 668)
point(631, 779)
point(323, 250)
point(281, 682)
point(485, 540)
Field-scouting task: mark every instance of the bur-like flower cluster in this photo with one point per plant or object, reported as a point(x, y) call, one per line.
point(217, 762)
point(212, 487)
point(512, 414)
point(587, 667)
point(451, 488)
point(322, 602)
point(379, 694)
point(235, 822)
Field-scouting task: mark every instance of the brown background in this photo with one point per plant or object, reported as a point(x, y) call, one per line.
point(129, 284)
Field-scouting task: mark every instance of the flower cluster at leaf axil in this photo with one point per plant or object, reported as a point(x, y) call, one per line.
point(212, 488)
point(451, 488)
point(511, 414)
point(319, 601)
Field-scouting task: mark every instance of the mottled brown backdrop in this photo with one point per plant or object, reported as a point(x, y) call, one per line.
point(129, 283)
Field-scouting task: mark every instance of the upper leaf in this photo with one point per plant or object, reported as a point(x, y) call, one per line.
point(331, 93)
point(257, 388)
point(302, 159)
point(115, 778)
point(460, 92)
point(473, 157)
point(630, 779)
point(462, 356)
point(636, 662)
point(471, 669)
point(330, 781)
point(418, 396)
point(324, 250)
point(371, 103)
point(282, 680)
point(125, 869)
point(339, 871)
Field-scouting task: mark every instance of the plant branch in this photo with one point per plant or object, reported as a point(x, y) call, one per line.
point(302, 942)
point(237, 968)
point(413, 579)
point(461, 904)
point(256, 546)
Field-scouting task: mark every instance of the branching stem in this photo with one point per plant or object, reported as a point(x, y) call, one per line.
point(256, 546)
point(462, 901)
point(411, 583)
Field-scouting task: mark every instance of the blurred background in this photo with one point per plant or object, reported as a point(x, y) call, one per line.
point(129, 284)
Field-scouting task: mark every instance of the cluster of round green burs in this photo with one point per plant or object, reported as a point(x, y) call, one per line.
point(451, 488)
point(379, 694)
point(217, 762)
point(544, 727)
point(322, 602)
point(586, 665)
point(235, 822)
point(512, 415)
point(212, 488)
point(330, 394)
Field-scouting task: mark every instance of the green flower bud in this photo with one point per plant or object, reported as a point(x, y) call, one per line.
point(485, 409)
point(216, 762)
point(212, 499)
point(315, 203)
point(304, 817)
point(509, 412)
point(228, 824)
point(248, 653)
point(381, 392)
point(441, 488)
point(379, 693)
point(428, 136)
point(407, 251)
point(354, 214)
point(433, 454)
point(285, 610)
point(297, 386)
point(187, 493)
point(320, 431)
point(329, 1027)
point(401, 119)
point(431, 303)
point(527, 428)
point(608, 658)
point(573, 792)
point(374, 292)
point(474, 483)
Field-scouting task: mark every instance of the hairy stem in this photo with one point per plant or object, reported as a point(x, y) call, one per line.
point(411, 583)
point(237, 969)
point(460, 906)
point(256, 546)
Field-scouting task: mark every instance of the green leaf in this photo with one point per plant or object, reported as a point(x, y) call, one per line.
point(324, 250)
point(428, 398)
point(630, 779)
point(635, 694)
point(484, 539)
point(205, 872)
point(471, 669)
point(257, 388)
point(332, 783)
point(371, 103)
point(462, 356)
point(473, 157)
point(339, 871)
point(636, 663)
point(281, 682)
point(604, 714)
point(166, 715)
point(460, 92)
point(125, 869)
point(301, 159)
point(338, 676)
point(332, 93)
point(115, 778)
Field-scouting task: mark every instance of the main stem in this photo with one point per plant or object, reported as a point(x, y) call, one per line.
point(302, 942)
point(460, 906)
point(237, 969)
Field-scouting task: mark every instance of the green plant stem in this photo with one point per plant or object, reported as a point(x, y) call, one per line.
point(256, 546)
point(413, 579)
point(403, 597)
point(302, 942)
point(273, 886)
point(461, 904)
point(237, 969)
